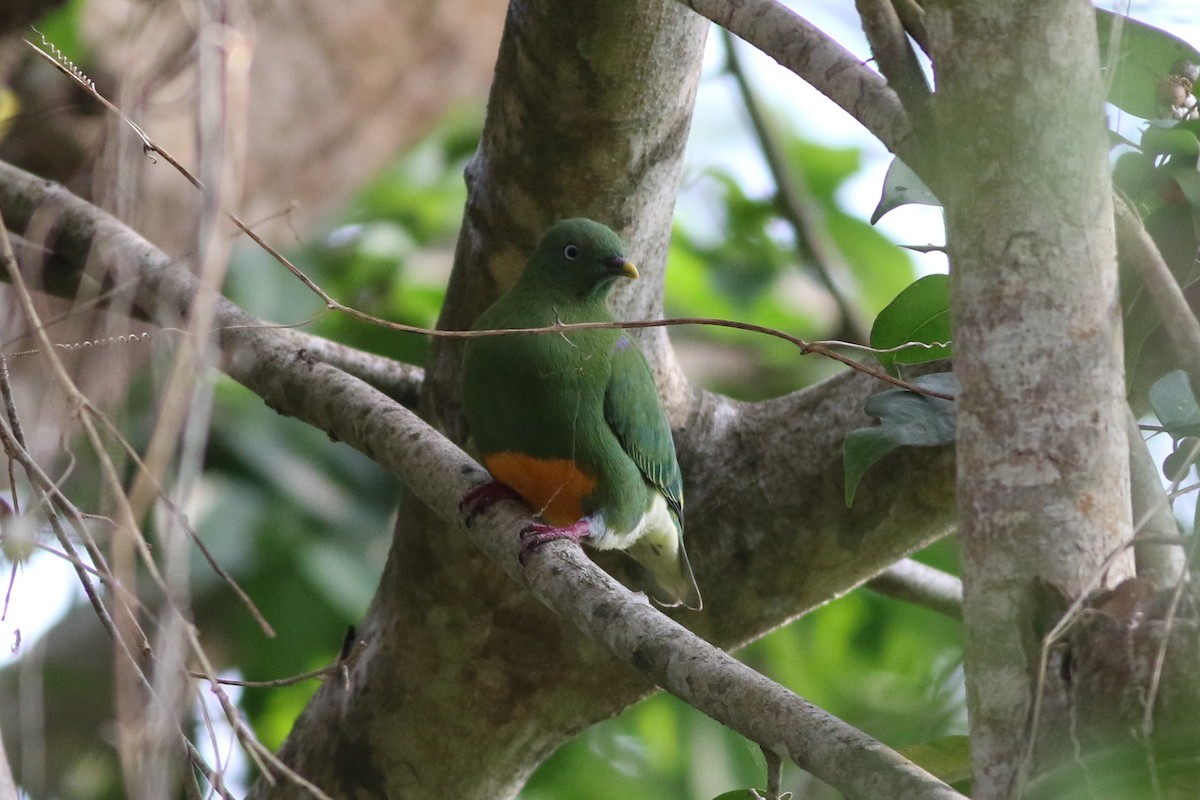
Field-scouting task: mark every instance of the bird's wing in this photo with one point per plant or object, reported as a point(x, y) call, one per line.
point(636, 416)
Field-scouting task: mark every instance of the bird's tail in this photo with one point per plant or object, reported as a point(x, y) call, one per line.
point(673, 583)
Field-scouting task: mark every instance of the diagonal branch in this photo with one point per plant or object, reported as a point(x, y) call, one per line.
point(1137, 248)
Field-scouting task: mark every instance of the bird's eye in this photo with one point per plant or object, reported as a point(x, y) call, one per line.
point(571, 252)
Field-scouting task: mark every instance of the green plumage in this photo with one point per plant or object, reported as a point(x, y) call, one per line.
point(586, 397)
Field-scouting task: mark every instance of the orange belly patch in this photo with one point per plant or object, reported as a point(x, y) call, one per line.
point(553, 487)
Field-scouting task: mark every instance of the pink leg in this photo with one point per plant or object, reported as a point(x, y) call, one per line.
point(537, 534)
point(483, 497)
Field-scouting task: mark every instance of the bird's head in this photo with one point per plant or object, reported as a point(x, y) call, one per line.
point(579, 257)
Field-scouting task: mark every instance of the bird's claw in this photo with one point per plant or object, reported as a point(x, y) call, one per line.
point(536, 534)
point(483, 497)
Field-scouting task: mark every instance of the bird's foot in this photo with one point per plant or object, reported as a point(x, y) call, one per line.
point(483, 497)
point(536, 534)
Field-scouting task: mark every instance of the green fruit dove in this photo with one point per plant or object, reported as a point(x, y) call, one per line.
point(571, 422)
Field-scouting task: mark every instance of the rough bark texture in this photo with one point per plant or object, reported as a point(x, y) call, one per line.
point(1121, 700)
point(468, 682)
point(1042, 453)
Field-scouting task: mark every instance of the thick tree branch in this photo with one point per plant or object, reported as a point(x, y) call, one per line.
point(400, 381)
point(268, 361)
point(1042, 450)
point(912, 16)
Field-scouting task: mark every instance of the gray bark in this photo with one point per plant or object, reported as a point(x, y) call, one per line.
point(1043, 474)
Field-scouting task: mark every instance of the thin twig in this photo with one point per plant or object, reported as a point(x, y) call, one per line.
point(823, 347)
point(337, 667)
point(14, 445)
point(1074, 610)
point(191, 532)
point(14, 422)
point(127, 617)
point(1160, 656)
point(212, 776)
point(398, 380)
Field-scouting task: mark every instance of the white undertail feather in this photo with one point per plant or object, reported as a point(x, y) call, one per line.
point(653, 543)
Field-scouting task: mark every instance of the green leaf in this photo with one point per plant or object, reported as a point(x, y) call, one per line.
point(947, 757)
point(920, 313)
point(1188, 182)
point(1175, 405)
point(1134, 174)
point(1180, 460)
point(906, 419)
point(902, 186)
point(739, 794)
point(1177, 141)
point(1143, 54)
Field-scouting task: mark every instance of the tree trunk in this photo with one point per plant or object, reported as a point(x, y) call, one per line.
point(1043, 492)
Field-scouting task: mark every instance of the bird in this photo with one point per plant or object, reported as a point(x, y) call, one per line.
point(570, 421)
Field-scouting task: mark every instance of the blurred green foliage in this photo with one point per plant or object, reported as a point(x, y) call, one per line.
point(61, 27)
point(755, 267)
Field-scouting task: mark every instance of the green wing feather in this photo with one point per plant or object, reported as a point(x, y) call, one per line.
point(632, 410)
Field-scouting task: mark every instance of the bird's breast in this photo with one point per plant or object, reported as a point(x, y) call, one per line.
point(553, 487)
